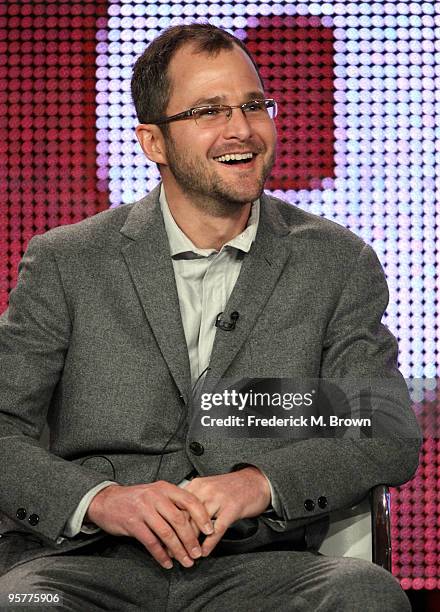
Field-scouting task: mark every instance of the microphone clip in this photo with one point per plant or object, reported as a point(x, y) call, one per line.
point(227, 325)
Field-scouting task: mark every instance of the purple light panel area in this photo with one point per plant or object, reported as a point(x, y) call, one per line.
point(358, 89)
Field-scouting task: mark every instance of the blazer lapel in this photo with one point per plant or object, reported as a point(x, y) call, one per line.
point(146, 252)
point(258, 276)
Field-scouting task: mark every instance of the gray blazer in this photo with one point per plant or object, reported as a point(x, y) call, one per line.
point(93, 342)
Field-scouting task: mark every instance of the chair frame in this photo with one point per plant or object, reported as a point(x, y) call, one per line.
point(381, 526)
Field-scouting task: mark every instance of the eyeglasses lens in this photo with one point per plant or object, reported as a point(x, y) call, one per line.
point(214, 115)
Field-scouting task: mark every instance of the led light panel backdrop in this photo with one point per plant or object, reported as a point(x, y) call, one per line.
point(47, 122)
point(358, 90)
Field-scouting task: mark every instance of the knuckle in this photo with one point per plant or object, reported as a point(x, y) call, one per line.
point(220, 529)
point(151, 542)
point(188, 495)
point(192, 500)
point(179, 519)
point(131, 520)
point(155, 488)
point(165, 533)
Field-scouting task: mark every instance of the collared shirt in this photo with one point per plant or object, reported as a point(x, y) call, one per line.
point(205, 279)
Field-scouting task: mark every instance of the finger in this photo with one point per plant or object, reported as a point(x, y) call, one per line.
point(192, 523)
point(146, 537)
point(196, 533)
point(222, 523)
point(164, 531)
point(211, 542)
point(179, 521)
point(187, 501)
point(194, 528)
point(168, 537)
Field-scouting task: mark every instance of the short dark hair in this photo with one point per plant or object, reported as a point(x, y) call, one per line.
point(150, 84)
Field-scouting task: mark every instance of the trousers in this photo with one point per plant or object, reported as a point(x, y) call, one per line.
point(118, 574)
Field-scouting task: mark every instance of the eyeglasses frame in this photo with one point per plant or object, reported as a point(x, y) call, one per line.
point(188, 114)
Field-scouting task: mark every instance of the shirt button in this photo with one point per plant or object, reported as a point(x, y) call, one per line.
point(196, 448)
point(33, 519)
point(322, 502)
point(309, 505)
point(21, 514)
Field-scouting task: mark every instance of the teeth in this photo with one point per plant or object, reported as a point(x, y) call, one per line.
point(234, 156)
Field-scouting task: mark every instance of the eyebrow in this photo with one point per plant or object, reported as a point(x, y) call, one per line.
point(251, 95)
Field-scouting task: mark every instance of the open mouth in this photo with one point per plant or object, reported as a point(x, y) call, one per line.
point(235, 159)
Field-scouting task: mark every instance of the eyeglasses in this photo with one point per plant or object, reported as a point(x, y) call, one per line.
point(219, 114)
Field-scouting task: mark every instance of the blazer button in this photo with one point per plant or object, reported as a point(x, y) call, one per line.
point(21, 514)
point(322, 502)
point(309, 505)
point(33, 519)
point(196, 448)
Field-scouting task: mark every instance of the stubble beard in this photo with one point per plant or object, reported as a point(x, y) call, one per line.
point(206, 189)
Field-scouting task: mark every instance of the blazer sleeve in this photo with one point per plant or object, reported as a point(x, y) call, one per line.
point(315, 476)
point(38, 490)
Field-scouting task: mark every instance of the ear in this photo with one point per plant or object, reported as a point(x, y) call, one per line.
point(152, 142)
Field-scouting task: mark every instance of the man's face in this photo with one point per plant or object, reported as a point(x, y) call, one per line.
point(191, 150)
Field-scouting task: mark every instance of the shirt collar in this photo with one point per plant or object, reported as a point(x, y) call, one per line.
point(180, 243)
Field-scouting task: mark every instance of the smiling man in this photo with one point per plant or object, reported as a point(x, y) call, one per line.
point(117, 322)
point(214, 159)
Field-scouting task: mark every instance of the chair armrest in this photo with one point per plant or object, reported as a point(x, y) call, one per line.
point(362, 531)
point(349, 533)
point(381, 525)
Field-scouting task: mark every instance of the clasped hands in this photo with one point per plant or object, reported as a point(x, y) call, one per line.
point(168, 519)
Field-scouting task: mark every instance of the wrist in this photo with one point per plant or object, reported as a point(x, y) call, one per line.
point(261, 483)
point(95, 507)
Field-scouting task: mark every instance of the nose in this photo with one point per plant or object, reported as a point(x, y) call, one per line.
point(237, 125)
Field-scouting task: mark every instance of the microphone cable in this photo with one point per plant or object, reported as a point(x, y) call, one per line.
point(181, 420)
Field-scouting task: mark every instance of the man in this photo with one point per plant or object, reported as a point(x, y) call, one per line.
point(111, 331)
